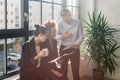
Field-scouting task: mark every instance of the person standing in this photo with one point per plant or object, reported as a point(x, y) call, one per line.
point(31, 54)
point(70, 32)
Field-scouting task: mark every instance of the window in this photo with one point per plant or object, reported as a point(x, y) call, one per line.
point(30, 6)
point(46, 11)
point(11, 13)
point(58, 1)
point(13, 49)
point(11, 4)
point(30, 14)
point(70, 8)
point(1, 3)
point(13, 53)
point(12, 37)
point(75, 2)
point(47, 0)
point(7, 12)
point(57, 9)
point(2, 60)
point(1, 12)
point(1, 21)
point(75, 12)
point(7, 21)
point(16, 17)
point(34, 14)
point(11, 21)
point(70, 2)
point(17, 25)
point(14, 9)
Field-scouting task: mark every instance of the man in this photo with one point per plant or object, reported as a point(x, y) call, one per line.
point(70, 32)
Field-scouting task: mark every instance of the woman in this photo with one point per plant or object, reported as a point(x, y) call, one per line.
point(50, 69)
point(31, 55)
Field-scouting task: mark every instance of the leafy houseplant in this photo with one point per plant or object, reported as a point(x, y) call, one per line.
point(100, 43)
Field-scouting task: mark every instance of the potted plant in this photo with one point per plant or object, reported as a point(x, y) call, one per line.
point(101, 45)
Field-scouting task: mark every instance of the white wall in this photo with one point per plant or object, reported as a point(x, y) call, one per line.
point(110, 8)
point(85, 7)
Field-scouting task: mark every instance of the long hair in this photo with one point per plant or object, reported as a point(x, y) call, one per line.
point(49, 24)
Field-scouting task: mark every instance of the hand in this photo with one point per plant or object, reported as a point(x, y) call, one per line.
point(57, 73)
point(75, 46)
point(66, 36)
point(60, 61)
point(40, 54)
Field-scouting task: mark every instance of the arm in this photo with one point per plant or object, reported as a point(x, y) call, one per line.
point(40, 54)
point(61, 35)
point(80, 36)
point(27, 63)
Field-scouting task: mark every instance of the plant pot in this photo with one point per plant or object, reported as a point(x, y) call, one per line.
point(98, 74)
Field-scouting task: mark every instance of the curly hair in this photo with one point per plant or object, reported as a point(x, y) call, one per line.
point(49, 24)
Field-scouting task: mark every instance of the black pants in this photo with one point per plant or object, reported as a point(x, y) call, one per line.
point(75, 62)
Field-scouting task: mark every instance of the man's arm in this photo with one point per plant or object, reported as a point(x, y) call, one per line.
point(62, 36)
point(80, 36)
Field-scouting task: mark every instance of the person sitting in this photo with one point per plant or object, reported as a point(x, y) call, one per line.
point(50, 69)
point(31, 55)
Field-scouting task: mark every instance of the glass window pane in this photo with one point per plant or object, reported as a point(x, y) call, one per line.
point(75, 2)
point(2, 61)
point(57, 1)
point(75, 13)
point(34, 14)
point(70, 2)
point(2, 14)
point(47, 0)
point(13, 53)
point(13, 14)
point(46, 11)
point(70, 8)
point(57, 9)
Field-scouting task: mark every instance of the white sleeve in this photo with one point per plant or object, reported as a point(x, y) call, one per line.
point(59, 32)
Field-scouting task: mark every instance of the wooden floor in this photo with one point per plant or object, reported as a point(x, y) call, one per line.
point(85, 71)
point(89, 78)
